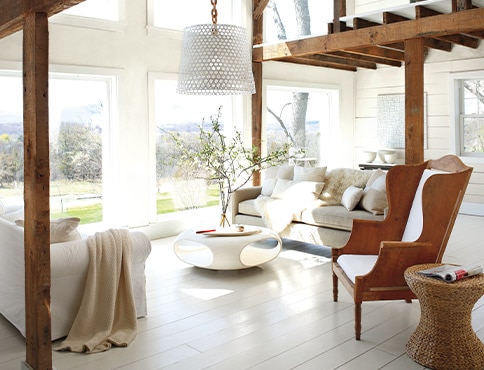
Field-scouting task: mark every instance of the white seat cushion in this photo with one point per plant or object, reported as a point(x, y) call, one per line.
point(357, 264)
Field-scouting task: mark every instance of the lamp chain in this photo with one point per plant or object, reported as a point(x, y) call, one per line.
point(214, 11)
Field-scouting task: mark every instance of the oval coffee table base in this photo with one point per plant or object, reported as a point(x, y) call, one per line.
point(227, 252)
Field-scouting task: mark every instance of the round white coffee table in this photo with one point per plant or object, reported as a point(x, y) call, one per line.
point(226, 250)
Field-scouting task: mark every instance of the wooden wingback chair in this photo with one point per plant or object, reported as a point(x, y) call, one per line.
point(423, 203)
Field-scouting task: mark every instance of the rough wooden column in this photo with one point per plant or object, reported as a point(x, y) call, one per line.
point(36, 191)
point(414, 101)
point(257, 38)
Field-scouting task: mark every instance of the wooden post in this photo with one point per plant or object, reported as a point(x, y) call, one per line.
point(36, 191)
point(257, 34)
point(414, 101)
point(257, 116)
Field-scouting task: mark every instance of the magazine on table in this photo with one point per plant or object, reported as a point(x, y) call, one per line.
point(452, 273)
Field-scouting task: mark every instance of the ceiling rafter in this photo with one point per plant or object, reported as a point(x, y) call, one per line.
point(383, 43)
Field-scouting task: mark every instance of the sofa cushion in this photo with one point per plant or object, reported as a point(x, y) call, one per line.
point(61, 230)
point(337, 217)
point(247, 207)
point(351, 197)
point(356, 264)
point(374, 197)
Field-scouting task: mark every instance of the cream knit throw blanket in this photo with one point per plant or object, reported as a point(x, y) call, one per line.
point(107, 315)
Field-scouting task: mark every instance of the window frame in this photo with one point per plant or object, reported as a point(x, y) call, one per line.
point(456, 97)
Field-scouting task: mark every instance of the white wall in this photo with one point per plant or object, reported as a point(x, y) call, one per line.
point(438, 67)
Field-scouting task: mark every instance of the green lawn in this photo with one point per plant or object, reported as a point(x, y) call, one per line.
point(93, 212)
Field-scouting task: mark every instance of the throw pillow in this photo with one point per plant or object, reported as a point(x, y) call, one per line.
point(297, 192)
point(280, 188)
point(12, 216)
point(309, 173)
point(374, 197)
point(61, 230)
point(285, 172)
point(351, 197)
point(271, 174)
point(269, 181)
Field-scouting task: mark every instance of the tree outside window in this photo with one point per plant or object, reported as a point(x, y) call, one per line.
point(472, 117)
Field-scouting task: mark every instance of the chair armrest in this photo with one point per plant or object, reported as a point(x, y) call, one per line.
point(242, 194)
point(365, 238)
point(394, 258)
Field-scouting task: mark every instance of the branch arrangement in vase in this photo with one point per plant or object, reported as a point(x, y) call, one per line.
point(227, 161)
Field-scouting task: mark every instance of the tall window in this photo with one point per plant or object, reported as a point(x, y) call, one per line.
point(471, 117)
point(78, 115)
point(307, 118)
point(180, 116)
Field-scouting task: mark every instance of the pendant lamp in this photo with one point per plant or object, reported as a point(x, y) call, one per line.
point(215, 60)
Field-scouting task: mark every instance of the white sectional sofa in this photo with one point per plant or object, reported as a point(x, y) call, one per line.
point(312, 204)
point(69, 265)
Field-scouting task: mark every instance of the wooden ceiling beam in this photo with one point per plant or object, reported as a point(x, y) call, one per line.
point(478, 34)
point(436, 26)
point(13, 13)
point(338, 59)
point(367, 58)
point(460, 39)
point(318, 63)
point(438, 44)
point(380, 52)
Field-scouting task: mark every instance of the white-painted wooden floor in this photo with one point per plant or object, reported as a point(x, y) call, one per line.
point(277, 316)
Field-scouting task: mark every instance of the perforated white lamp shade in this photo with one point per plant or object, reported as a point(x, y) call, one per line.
point(215, 60)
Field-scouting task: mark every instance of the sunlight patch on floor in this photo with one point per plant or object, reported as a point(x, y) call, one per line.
point(305, 259)
point(206, 294)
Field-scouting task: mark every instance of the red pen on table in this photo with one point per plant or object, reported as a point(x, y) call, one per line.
point(204, 231)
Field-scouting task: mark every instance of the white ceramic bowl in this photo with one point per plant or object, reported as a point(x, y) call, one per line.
point(369, 156)
point(390, 157)
point(381, 154)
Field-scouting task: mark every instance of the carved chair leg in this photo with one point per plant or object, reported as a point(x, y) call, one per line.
point(357, 320)
point(335, 288)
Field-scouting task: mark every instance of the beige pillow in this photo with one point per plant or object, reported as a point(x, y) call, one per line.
point(309, 173)
point(61, 230)
point(351, 197)
point(374, 197)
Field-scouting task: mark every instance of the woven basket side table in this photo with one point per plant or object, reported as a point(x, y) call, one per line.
point(444, 338)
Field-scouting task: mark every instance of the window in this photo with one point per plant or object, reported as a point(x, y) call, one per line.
point(471, 117)
point(281, 19)
point(176, 187)
point(305, 117)
point(79, 114)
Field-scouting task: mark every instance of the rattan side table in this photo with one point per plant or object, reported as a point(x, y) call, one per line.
point(444, 338)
